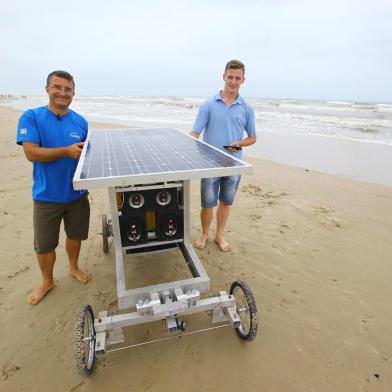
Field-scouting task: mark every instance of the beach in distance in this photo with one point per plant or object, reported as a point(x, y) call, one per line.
point(310, 233)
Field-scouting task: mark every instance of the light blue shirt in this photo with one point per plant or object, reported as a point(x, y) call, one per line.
point(223, 124)
point(52, 181)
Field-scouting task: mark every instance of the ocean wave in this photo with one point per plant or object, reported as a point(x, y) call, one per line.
point(368, 130)
point(352, 120)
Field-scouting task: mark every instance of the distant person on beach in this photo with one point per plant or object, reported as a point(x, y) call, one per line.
point(223, 118)
point(52, 137)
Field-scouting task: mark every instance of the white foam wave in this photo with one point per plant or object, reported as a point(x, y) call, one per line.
point(360, 121)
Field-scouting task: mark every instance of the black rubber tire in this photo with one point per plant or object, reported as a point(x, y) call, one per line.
point(105, 234)
point(84, 350)
point(247, 331)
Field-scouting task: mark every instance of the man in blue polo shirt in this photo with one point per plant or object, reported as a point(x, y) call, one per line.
point(52, 138)
point(223, 118)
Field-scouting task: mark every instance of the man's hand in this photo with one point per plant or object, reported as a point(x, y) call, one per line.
point(75, 150)
point(195, 134)
point(242, 143)
point(234, 147)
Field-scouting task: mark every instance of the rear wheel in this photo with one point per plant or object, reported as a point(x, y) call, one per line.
point(246, 309)
point(84, 340)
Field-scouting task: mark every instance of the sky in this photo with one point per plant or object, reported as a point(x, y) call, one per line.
point(294, 49)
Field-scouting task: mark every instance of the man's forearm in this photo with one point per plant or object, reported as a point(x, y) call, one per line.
point(247, 141)
point(35, 153)
point(42, 154)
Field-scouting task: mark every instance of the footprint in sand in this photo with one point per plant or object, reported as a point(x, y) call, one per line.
point(325, 215)
point(255, 217)
point(7, 308)
point(283, 228)
point(270, 197)
point(366, 323)
point(25, 268)
point(252, 189)
point(9, 370)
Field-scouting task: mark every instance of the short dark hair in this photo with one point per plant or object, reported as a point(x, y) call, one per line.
point(235, 64)
point(60, 74)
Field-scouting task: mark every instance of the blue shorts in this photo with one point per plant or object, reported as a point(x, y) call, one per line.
point(223, 187)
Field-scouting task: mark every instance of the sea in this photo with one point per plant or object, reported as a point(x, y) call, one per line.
point(289, 131)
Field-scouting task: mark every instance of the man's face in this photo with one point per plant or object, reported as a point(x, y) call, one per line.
point(233, 79)
point(61, 92)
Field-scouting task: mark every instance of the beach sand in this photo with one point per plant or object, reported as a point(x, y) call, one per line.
point(315, 249)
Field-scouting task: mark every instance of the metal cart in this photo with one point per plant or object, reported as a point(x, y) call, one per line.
point(150, 209)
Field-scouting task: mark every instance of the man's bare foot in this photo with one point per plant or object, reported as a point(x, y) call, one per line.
point(201, 242)
point(222, 243)
point(81, 276)
point(38, 294)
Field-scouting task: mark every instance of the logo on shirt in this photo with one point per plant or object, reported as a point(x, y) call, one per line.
point(23, 131)
point(75, 135)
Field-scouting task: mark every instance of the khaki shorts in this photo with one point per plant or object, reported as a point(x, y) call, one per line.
point(47, 219)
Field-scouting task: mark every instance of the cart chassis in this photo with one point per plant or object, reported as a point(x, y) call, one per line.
point(200, 281)
point(166, 301)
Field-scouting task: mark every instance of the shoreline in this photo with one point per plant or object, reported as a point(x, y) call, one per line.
point(353, 159)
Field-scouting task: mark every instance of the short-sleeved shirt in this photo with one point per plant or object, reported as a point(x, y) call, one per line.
point(52, 181)
point(223, 124)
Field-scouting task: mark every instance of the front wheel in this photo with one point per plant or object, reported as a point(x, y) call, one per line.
point(246, 309)
point(84, 340)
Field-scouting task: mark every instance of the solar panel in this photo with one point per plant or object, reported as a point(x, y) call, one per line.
point(122, 157)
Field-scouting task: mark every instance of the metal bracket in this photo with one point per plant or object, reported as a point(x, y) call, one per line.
point(190, 297)
point(232, 316)
point(100, 343)
point(148, 306)
point(171, 324)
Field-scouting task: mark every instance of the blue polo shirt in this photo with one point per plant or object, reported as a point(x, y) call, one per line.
point(52, 181)
point(223, 124)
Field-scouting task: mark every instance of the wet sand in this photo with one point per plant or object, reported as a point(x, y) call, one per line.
point(355, 159)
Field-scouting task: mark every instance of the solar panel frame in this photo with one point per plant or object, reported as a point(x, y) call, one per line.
point(135, 159)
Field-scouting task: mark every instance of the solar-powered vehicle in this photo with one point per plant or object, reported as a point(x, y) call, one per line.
point(148, 173)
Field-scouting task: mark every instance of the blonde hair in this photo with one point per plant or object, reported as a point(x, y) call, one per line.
point(235, 64)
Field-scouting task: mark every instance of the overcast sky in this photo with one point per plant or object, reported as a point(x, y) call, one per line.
point(295, 49)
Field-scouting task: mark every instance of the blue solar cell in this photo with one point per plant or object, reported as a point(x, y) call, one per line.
point(138, 152)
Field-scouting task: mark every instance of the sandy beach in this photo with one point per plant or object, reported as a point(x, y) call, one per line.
point(315, 249)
